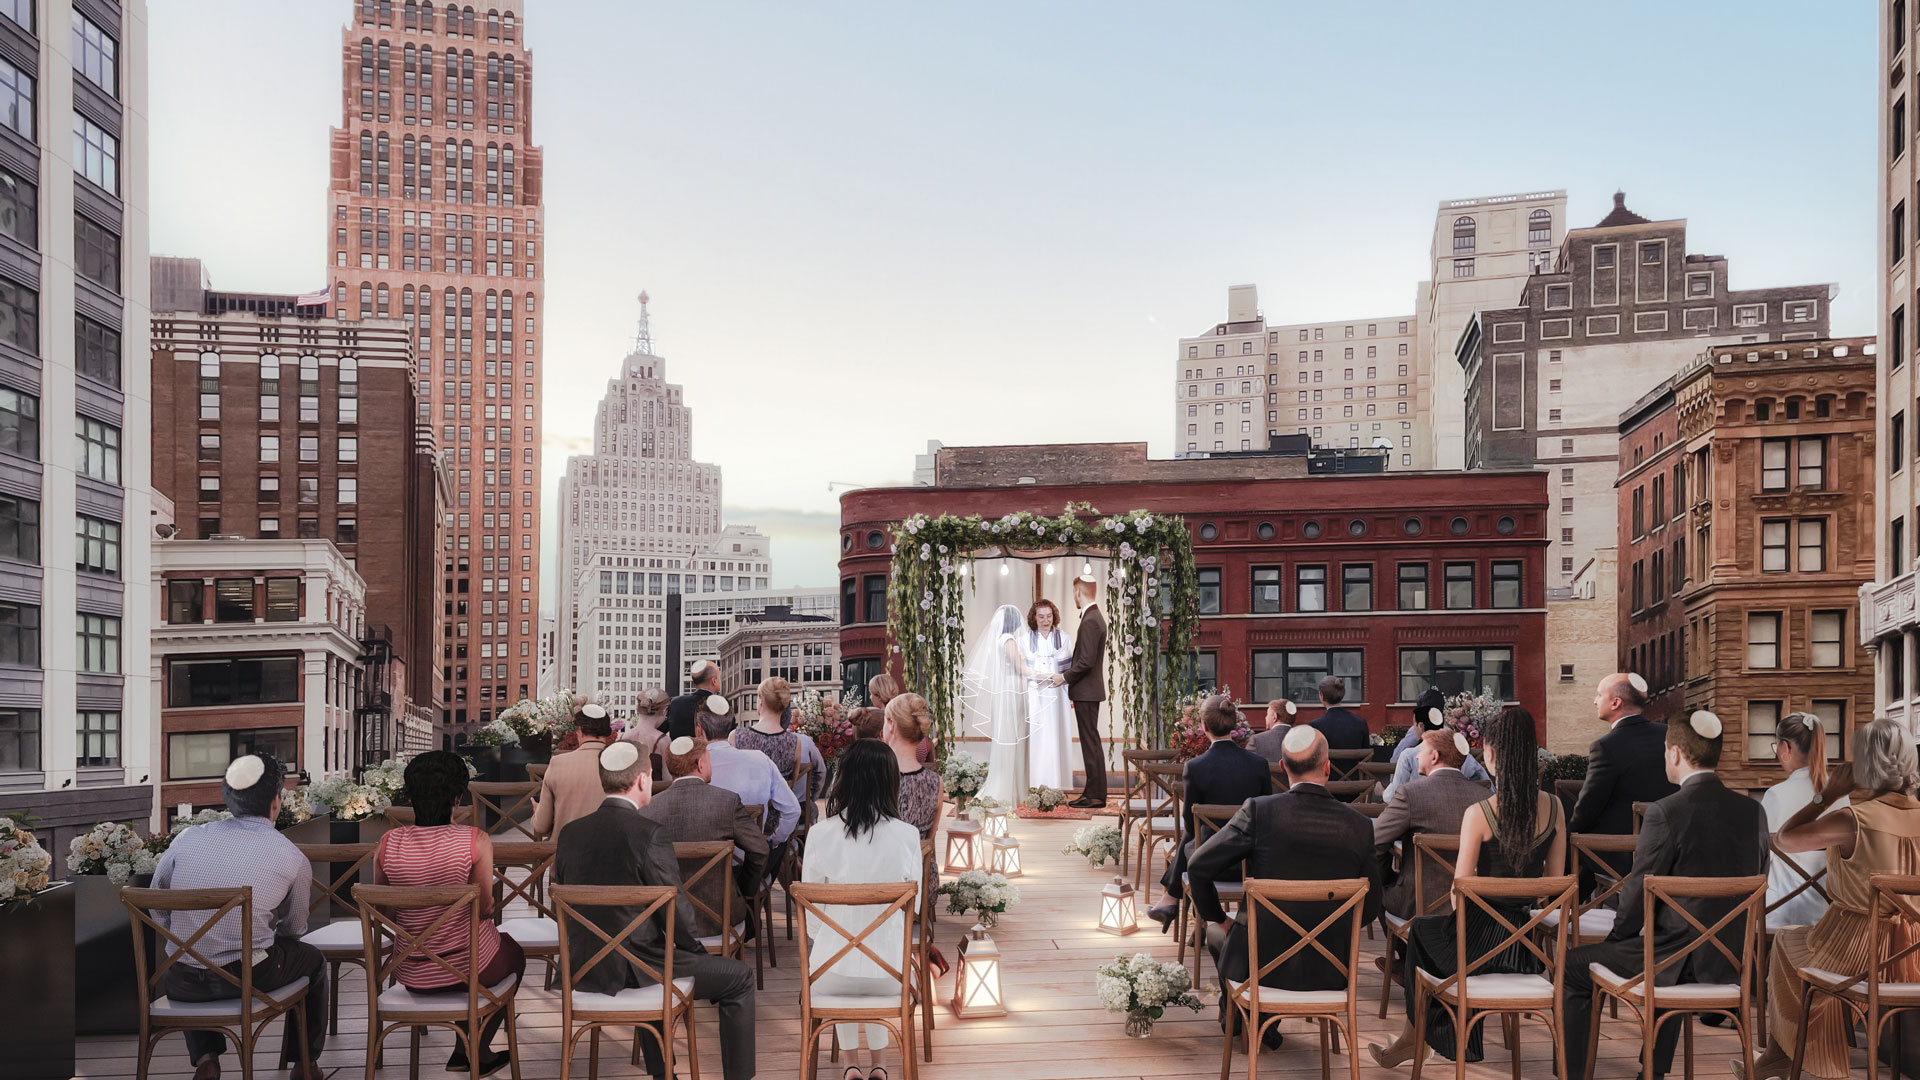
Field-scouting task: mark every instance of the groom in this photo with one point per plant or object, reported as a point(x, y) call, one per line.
point(1086, 683)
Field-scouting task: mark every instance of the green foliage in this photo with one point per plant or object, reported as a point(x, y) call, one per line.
point(1561, 767)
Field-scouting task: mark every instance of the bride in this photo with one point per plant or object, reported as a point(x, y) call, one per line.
point(1044, 651)
point(996, 695)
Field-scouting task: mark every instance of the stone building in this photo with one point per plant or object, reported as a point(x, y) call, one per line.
point(802, 649)
point(1748, 535)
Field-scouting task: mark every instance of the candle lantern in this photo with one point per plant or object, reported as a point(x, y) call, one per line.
point(1003, 856)
point(1117, 912)
point(976, 987)
point(994, 822)
point(962, 853)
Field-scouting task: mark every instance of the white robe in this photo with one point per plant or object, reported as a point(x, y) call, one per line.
point(1049, 717)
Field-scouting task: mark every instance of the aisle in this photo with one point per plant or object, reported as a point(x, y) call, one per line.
point(1055, 1029)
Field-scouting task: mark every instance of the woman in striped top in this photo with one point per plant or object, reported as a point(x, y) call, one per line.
point(434, 853)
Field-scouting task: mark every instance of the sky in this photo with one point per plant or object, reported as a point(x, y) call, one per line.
point(865, 226)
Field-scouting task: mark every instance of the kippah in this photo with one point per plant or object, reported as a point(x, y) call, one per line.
point(245, 772)
point(1704, 724)
point(681, 746)
point(1634, 680)
point(1088, 578)
point(593, 710)
point(1299, 740)
point(717, 705)
point(1434, 719)
point(1461, 744)
point(619, 756)
point(1292, 709)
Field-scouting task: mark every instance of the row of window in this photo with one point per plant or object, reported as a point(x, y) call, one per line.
point(97, 639)
point(1826, 640)
point(1356, 587)
point(421, 16)
point(96, 540)
point(96, 743)
point(1295, 674)
point(234, 600)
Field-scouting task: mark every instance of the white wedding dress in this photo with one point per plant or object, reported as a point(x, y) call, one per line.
point(995, 699)
point(1049, 726)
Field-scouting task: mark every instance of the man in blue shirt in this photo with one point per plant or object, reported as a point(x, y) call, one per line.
point(749, 774)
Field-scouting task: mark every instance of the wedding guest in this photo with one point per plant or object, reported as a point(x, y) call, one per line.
point(1878, 833)
point(1518, 833)
point(245, 851)
point(1344, 730)
point(1801, 748)
point(694, 811)
point(434, 853)
point(906, 724)
point(869, 723)
point(1624, 766)
point(881, 690)
point(648, 729)
point(570, 789)
point(1433, 803)
point(749, 774)
point(683, 711)
point(1701, 830)
point(1406, 766)
point(1428, 712)
point(862, 840)
point(1301, 834)
point(617, 845)
point(1223, 775)
point(1280, 718)
point(769, 734)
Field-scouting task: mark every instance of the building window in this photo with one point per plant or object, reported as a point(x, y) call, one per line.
point(1266, 589)
point(1356, 587)
point(19, 634)
point(1310, 588)
point(348, 489)
point(19, 210)
point(1897, 234)
point(1763, 724)
point(347, 450)
point(875, 588)
point(1413, 586)
point(1763, 639)
point(1463, 268)
point(20, 740)
point(346, 530)
point(1507, 589)
point(97, 447)
point(1896, 547)
point(99, 644)
point(1459, 583)
point(233, 600)
point(96, 253)
point(1897, 332)
point(849, 601)
point(1540, 227)
point(1773, 545)
point(19, 316)
point(1833, 719)
point(1603, 256)
point(1812, 462)
point(16, 99)
point(1207, 578)
point(96, 350)
point(96, 545)
point(1481, 670)
point(238, 681)
point(99, 739)
point(96, 154)
point(94, 52)
point(283, 599)
point(1295, 675)
point(184, 604)
point(1773, 465)
point(19, 529)
point(1827, 649)
point(203, 755)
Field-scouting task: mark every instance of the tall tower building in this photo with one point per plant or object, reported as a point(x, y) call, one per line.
point(436, 212)
point(639, 530)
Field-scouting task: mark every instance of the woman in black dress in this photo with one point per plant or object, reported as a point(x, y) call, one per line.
point(1516, 833)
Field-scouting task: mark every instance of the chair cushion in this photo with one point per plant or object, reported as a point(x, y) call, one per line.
point(1162, 824)
point(336, 939)
point(229, 1007)
point(1592, 924)
point(1777, 922)
point(829, 1003)
point(1395, 922)
point(1270, 995)
point(714, 941)
point(1229, 892)
point(537, 933)
point(1678, 994)
point(632, 999)
point(1138, 806)
point(1890, 992)
point(398, 998)
point(1505, 986)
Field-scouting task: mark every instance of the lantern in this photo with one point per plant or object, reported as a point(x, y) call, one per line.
point(1117, 913)
point(962, 853)
point(994, 822)
point(1003, 856)
point(976, 987)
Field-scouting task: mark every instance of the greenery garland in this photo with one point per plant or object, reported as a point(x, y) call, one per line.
point(1151, 599)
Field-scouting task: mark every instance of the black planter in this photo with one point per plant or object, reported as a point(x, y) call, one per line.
point(314, 830)
point(37, 950)
point(534, 749)
point(367, 831)
point(106, 988)
point(486, 762)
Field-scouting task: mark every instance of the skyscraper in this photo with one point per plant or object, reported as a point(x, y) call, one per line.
point(436, 214)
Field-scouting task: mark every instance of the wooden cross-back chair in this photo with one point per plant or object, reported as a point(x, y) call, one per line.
point(1278, 772)
point(1809, 882)
point(1137, 803)
point(537, 771)
point(391, 1007)
point(1639, 815)
point(1346, 763)
point(657, 1008)
point(1568, 792)
point(1256, 1008)
point(337, 939)
point(243, 1018)
point(1876, 995)
point(1732, 1000)
point(818, 1011)
point(1469, 997)
point(1593, 917)
point(761, 904)
point(801, 781)
point(1431, 853)
point(1208, 818)
point(922, 943)
point(504, 808)
point(403, 815)
point(1165, 782)
point(1351, 791)
point(699, 862)
point(1380, 772)
point(539, 932)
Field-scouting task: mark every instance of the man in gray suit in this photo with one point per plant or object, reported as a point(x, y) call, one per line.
point(1435, 803)
point(1086, 682)
point(617, 845)
point(1280, 716)
point(693, 811)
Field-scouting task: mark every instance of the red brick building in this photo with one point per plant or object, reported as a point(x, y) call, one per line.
point(1653, 546)
point(1391, 581)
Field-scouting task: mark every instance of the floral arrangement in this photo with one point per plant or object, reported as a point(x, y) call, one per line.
point(1141, 984)
point(976, 890)
point(23, 862)
point(962, 776)
point(1150, 600)
point(1044, 798)
point(1097, 843)
point(115, 850)
point(811, 704)
point(978, 809)
point(295, 809)
point(551, 715)
point(348, 799)
point(1189, 738)
point(1560, 767)
point(1389, 736)
point(389, 777)
point(831, 736)
point(495, 732)
point(1469, 714)
point(182, 824)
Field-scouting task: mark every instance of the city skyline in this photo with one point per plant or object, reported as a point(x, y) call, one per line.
point(1031, 197)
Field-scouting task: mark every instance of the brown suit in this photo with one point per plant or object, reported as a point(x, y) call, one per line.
point(570, 790)
point(692, 811)
point(1432, 804)
point(1086, 678)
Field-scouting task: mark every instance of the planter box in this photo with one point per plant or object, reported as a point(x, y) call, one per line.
point(36, 950)
point(515, 759)
point(106, 987)
point(314, 830)
point(486, 762)
point(367, 831)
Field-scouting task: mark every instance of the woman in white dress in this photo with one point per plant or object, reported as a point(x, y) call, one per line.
point(1802, 750)
point(1044, 651)
point(995, 698)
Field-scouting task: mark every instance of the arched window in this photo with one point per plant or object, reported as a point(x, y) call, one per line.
point(466, 21)
point(426, 16)
point(411, 13)
point(1540, 227)
point(366, 9)
point(493, 26)
point(508, 19)
point(1463, 234)
point(426, 66)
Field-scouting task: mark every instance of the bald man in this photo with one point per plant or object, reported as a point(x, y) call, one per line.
point(1625, 766)
point(683, 712)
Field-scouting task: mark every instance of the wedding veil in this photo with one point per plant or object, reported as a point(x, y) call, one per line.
point(993, 693)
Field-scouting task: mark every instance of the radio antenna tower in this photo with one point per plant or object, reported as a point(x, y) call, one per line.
point(643, 336)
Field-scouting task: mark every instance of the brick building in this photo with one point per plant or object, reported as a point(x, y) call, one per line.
point(1746, 525)
point(302, 426)
point(802, 649)
point(1388, 580)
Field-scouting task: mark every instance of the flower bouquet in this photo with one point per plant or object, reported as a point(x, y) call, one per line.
point(114, 850)
point(550, 716)
point(1044, 798)
point(976, 890)
point(182, 824)
point(1469, 714)
point(23, 863)
point(389, 777)
point(348, 799)
point(1188, 737)
point(295, 809)
point(1097, 843)
point(962, 775)
point(495, 732)
point(830, 735)
point(1144, 989)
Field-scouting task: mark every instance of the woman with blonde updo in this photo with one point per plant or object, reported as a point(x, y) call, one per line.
point(767, 735)
point(907, 718)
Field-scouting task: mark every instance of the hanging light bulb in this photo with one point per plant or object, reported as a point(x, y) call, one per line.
point(1004, 570)
point(1087, 570)
point(1049, 569)
point(963, 570)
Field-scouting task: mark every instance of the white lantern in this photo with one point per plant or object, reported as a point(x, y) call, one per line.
point(962, 850)
point(1003, 856)
point(1118, 915)
point(993, 822)
point(976, 986)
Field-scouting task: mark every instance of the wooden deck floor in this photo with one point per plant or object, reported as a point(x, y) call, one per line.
point(1055, 1029)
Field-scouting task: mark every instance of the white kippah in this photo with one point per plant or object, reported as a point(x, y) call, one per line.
point(1704, 724)
point(717, 705)
point(1088, 578)
point(1434, 719)
point(1299, 740)
point(1292, 709)
point(619, 756)
point(593, 710)
point(1634, 680)
point(1461, 744)
point(245, 772)
point(681, 746)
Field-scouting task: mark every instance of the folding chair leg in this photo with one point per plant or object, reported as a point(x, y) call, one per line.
point(1593, 1033)
point(693, 1046)
point(413, 1051)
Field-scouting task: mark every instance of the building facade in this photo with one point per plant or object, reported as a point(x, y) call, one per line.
point(1750, 541)
point(77, 738)
point(257, 645)
point(706, 619)
point(436, 220)
point(1342, 384)
point(779, 641)
point(1392, 581)
point(304, 426)
point(1483, 252)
